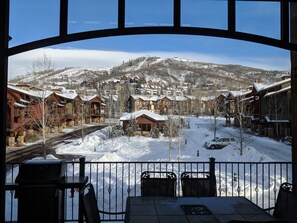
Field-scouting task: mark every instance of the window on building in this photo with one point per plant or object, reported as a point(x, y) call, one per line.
point(145, 127)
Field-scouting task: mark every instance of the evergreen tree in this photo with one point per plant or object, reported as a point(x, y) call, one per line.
point(155, 133)
point(117, 131)
point(132, 127)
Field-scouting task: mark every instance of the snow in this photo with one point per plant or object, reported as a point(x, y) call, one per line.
point(38, 94)
point(139, 113)
point(147, 98)
point(277, 92)
point(99, 147)
point(89, 97)
point(208, 98)
point(261, 86)
point(141, 63)
point(19, 105)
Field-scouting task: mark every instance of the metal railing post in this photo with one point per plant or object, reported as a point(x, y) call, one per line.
point(212, 161)
point(81, 175)
point(82, 169)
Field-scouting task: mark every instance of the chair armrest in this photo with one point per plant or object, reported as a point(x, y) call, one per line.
point(111, 213)
point(269, 209)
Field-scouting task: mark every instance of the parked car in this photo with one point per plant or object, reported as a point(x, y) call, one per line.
point(219, 143)
point(287, 140)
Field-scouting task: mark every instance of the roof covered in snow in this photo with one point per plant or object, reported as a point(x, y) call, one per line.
point(68, 94)
point(208, 98)
point(277, 92)
point(261, 86)
point(139, 113)
point(36, 94)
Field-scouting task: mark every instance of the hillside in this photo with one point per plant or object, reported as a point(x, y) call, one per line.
point(169, 71)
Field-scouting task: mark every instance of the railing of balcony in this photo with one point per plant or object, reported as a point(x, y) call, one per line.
point(279, 117)
point(115, 181)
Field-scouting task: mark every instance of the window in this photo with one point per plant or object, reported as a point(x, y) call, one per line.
point(145, 127)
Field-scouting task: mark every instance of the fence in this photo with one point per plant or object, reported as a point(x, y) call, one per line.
point(115, 181)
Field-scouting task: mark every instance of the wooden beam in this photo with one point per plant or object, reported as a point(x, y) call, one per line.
point(176, 14)
point(293, 26)
point(121, 14)
point(4, 38)
point(63, 17)
point(231, 16)
point(284, 21)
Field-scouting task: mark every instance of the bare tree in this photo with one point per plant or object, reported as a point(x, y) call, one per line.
point(171, 130)
point(240, 111)
point(168, 131)
point(214, 112)
point(43, 112)
point(42, 65)
point(123, 98)
point(243, 110)
point(197, 107)
point(276, 105)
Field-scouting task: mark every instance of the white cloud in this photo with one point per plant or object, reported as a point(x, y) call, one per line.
point(92, 22)
point(20, 64)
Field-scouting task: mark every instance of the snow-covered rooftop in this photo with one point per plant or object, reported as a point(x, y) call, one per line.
point(69, 94)
point(261, 86)
point(239, 93)
point(277, 92)
point(139, 113)
point(208, 98)
point(147, 97)
point(36, 94)
point(89, 97)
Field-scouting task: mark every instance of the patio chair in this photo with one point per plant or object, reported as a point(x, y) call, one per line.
point(158, 184)
point(286, 203)
point(90, 206)
point(199, 184)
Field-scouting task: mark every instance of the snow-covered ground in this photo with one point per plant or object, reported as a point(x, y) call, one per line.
point(114, 182)
point(98, 147)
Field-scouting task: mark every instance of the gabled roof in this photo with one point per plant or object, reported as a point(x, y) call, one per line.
point(68, 95)
point(90, 98)
point(160, 97)
point(277, 92)
point(239, 93)
point(208, 98)
point(147, 113)
point(261, 86)
point(147, 98)
point(36, 94)
point(177, 98)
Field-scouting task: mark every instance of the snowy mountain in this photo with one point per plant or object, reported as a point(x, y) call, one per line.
point(168, 71)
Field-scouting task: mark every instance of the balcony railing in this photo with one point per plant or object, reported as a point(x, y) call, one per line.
point(278, 117)
point(115, 181)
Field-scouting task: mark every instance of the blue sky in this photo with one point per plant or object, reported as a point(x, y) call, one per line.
point(33, 19)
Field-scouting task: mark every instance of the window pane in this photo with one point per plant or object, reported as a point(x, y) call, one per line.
point(88, 15)
point(149, 13)
point(261, 18)
point(30, 22)
point(205, 13)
